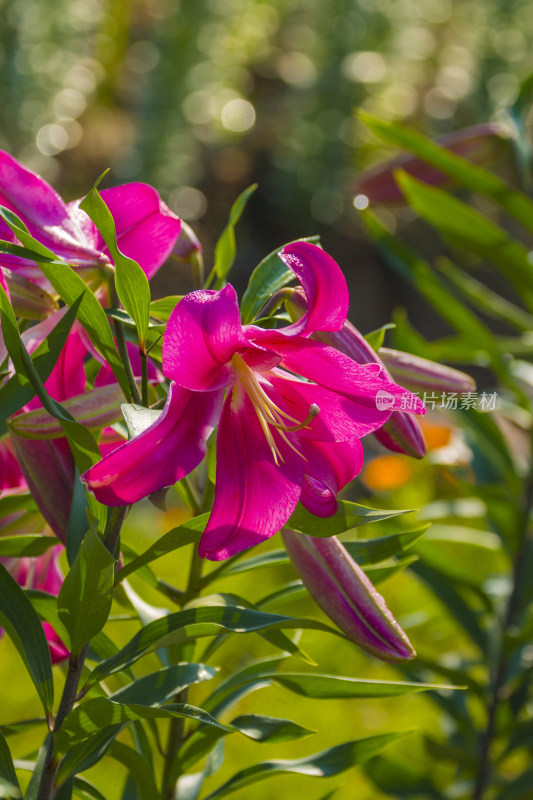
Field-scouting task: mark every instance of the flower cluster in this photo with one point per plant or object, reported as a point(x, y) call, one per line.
point(289, 405)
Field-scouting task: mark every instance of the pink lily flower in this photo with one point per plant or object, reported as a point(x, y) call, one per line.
point(146, 228)
point(42, 573)
point(290, 424)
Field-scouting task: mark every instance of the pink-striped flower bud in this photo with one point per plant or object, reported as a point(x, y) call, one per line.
point(421, 374)
point(478, 144)
point(29, 300)
point(95, 409)
point(48, 468)
point(189, 250)
point(342, 590)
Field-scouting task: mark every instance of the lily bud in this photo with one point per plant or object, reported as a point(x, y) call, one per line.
point(95, 409)
point(189, 250)
point(401, 433)
point(342, 590)
point(29, 300)
point(478, 144)
point(48, 468)
point(420, 374)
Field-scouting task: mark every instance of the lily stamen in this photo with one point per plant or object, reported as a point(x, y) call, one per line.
point(268, 413)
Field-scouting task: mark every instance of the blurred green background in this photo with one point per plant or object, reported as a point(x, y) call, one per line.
point(203, 97)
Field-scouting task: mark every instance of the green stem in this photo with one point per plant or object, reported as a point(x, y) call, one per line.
point(121, 345)
point(177, 732)
point(144, 374)
point(75, 668)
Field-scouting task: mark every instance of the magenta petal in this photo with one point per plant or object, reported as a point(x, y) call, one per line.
point(147, 229)
point(330, 466)
point(366, 383)
point(11, 478)
point(67, 378)
point(340, 419)
point(324, 285)
point(254, 496)
point(166, 451)
point(203, 333)
point(3, 282)
point(44, 213)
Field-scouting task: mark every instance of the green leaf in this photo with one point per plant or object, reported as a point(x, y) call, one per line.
point(159, 687)
point(269, 729)
point(83, 788)
point(225, 248)
point(467, 228)
point(270, 275)
point(26, 545)
point(9, 785)
point(163, 308)
point(24, 627)
point(45, 606)
point(460, 169)
point(18, 391)
point(419, 273)
point(32, 791)
point(86, 595)
point(187, 533)
point(130, 280)
point(488, 301)
point(376, 338)
point(348, 515)
point(137, 767)
point(100, 713)
point(85, 755)
point(319, 765)
point(326, 687)
point(372, 551)
point(197, 622)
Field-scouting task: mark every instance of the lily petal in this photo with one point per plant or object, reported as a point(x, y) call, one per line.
point(254, 496)
point(203, 333)
point(330, 466)
point(166, 451)
point(147, 229)
point(44, 213)
point(340, 419)
point(324, 285)
point(336, 371)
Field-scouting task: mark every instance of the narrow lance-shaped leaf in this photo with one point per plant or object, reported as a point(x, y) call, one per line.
point(225, 247)
point(24, 628)
point(86, 595)
point(319, 765)
point(130, 280)
point(460, 169)
point(18, 390)
point(270, 275)
point(464, 226)
point(348, 515)
point(9, 785)
point(193, 622)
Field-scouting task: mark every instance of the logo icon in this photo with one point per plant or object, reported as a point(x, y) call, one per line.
point(384, 400)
